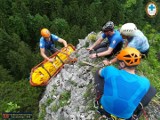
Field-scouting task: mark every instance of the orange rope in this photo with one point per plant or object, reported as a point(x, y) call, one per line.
point(144, 113)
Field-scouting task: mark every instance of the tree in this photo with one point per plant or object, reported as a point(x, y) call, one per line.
point(57, 9)
point(5, 74)
point(134, 11)
point(35, 24)
point(6, 44)
point(19, 58)
point(59, 26)
point(16, 25)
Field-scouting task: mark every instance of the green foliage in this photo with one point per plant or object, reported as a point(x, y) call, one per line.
point(87, 95)
point(5, 74)
point(117, 27)
point(43, 112)
point(80, 63)
point(149, 67)
point(15, 21)
point(5, 42)
point(129, 3)
point(90, 105)
point(49, 101)
point(63, 100)
point(64, 97)
point(11, 107)
point(36, 24)
point(19, 60)
point(134, 11)
point(59, 26)
point(92, 37)
point(75, 32)
point(21, 94)
point(55, 107)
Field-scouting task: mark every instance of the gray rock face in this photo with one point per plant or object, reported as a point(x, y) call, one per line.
point(66, 96)
point(74, 79)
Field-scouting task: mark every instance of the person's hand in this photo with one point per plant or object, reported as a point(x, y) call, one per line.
point(50, 60)
point(66, 49)
point(93, 56)
point(90, 48)
point(106, 62)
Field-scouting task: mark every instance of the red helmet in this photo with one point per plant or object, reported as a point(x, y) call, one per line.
point(45, 33)
point(130, 56)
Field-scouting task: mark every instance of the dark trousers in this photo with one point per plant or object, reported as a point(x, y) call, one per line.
point(49, 52)
point(99, 85)
point(104, 46)
point(101, 47)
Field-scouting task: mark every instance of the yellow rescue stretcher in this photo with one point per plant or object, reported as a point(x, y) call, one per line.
point(41, 74)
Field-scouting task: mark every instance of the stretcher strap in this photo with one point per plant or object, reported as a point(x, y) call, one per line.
point(60, 59)
point(46, 71)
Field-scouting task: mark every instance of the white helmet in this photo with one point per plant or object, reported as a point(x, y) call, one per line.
point(128, 29)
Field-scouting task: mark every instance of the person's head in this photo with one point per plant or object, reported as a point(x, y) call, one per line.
point(128, 30)
point(45, 33)
point(129, 58)
point(108, 28)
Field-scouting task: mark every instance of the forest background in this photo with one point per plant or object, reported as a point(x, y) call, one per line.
point(20, 25)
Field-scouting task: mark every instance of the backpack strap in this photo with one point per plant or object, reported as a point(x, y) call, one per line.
point(52, 40)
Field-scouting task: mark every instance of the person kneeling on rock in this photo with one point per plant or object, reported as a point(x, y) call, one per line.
point(109, 48)
point(121, 93)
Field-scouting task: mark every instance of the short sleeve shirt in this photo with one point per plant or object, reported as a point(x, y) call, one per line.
point(139, 41)
point(122, 91)
point(47, 44)
point(114, 39)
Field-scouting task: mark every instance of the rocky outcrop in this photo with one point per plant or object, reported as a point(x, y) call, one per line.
point(70, 95)
point(67, 95)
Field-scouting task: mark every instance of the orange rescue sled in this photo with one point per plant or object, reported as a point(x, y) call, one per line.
point(41, 74)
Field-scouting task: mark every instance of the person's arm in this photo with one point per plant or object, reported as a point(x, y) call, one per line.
point(109, 62)
point(101, 54)
point(62, 41)
point(95, 44)
point(42, 51)
point(99, 72)
point(126, 43)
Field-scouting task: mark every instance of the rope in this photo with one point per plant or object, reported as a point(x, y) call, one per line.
point(144, 113)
